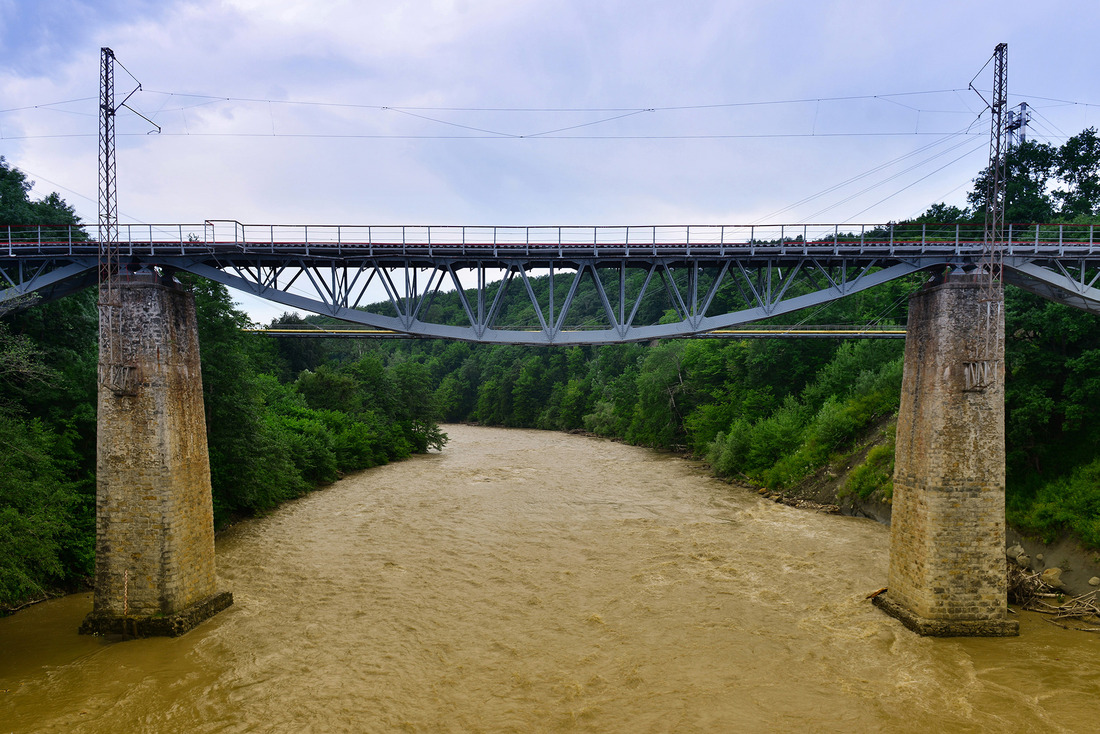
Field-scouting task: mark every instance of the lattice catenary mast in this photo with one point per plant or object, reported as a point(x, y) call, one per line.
point(982, 369)
point(115, 372)
point(112, 372)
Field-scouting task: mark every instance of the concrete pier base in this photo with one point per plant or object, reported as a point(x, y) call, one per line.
point(947, 532)
point(154, 512)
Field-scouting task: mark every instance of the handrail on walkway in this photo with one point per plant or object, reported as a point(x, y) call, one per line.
point(22, 240)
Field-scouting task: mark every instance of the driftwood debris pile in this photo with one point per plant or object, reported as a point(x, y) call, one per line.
point(1028, 590)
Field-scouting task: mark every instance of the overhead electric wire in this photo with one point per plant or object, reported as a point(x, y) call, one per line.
point(888, 179)
point(413, 109)
point(559, 133)
point(1039, 130)
point(54, 183)
point(891, 178)
point(403, 136)
point(1035, 113)
point(1055, 99)
point(941, 198)
point(37, 178)
point(554, 133)
point(46, 104)
point(866, 173)
point(640, 108)
point(548, 133)
point(922, 178)
point(492, 133)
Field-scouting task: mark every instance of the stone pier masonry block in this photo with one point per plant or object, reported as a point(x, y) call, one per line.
point(154, 514)
point(947, 534)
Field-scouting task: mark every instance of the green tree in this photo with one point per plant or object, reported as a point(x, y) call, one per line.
point(1078, 166)
point(298, 353)
point(15, 204)
point(943, 213)
point(41, 543)
point(416, 409)
point(330, 389)
point(47, 422)
point(658, 417)
point(1028, 170)
point(530, 392)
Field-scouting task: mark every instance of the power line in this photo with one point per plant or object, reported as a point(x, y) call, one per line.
point(481, 132)
point(412, 110)
point(889, 179)
point(38, 178)
point(941, 198)
point(639, 108)
point(1055, 99)
point(899, 99)
point(502, 136)
point(865, 174)
point(1047, 121)
point(44, 105)
point(922, 178)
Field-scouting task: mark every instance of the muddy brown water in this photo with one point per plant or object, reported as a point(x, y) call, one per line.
point(527, 581)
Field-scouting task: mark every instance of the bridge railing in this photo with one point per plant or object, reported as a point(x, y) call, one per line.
point(231, 236)
point(554, 236)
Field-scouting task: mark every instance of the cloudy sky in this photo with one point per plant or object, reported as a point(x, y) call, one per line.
point(533, 111)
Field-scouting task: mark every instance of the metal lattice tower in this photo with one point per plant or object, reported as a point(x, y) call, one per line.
point(115, 374)
point(108, 192)
point(982, 370)
point(109, 305)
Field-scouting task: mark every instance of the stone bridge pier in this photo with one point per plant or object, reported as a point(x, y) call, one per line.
point(947, 563)
point(154, 513)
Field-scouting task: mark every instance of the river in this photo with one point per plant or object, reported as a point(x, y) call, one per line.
point(525, 581)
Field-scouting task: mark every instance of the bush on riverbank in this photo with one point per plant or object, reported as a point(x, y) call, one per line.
point(857, 388)
point(47, 482)
point(271, 441)
point(1068, 503)
point(268, 441)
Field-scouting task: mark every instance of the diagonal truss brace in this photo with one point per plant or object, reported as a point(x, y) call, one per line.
point(748, 289)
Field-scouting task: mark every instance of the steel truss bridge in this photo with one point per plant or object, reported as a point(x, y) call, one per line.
point(645, 282)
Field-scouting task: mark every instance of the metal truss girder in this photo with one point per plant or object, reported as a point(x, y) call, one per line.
point(534, 301)
point(641, 295)
point(50, 279)
point(713, 290)
point(605, 301)
point(338, 286)
point(1059, 286)
point(480, 326)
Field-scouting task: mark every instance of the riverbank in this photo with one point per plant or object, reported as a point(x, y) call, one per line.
point(828, 490)
point(829, 487)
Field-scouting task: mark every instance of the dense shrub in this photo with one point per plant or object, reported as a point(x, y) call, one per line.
point(875, 474)
point(1067, 504)
point(37, 514)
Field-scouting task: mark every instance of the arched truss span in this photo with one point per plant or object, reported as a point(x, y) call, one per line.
point(532, 285)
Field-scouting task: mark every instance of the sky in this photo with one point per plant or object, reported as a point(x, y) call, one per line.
point(532, 112)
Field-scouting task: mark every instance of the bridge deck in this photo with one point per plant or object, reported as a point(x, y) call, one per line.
point(228, 238)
